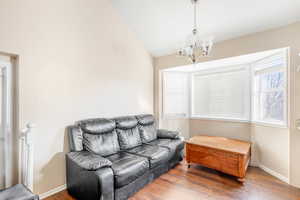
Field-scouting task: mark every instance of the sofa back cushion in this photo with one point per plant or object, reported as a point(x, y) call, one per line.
point(100, 136)
point(147, 128)
point(75, 138)
point(128, 132)
point(97, 126)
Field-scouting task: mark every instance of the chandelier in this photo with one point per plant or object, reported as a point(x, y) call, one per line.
point(196, 46)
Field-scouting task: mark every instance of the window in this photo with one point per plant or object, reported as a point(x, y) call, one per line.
point(221, 93)
point(175, 95)
point(254, 92)
point(269, 90)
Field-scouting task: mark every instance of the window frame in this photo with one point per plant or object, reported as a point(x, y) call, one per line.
point(252, 119)
point(187, 92)
point(223, 70)
point(285, 69)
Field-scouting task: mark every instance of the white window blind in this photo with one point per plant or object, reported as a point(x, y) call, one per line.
point(222, 93)
point(270, 90)
point(255, 92)
point(175, 95)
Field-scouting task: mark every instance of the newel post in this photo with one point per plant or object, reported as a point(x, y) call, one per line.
point(26, 168)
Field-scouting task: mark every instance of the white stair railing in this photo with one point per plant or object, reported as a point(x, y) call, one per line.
point(2, 166)
point(26, 168)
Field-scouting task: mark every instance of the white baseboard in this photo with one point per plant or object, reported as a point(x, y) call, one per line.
point(273, 173)
point(295, 185)
point(53, 191)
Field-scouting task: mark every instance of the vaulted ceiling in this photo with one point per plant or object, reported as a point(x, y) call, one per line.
point(164, 24)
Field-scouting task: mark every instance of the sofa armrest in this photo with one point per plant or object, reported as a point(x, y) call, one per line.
point(89, 184)
point(89, 161)
point(162, 133)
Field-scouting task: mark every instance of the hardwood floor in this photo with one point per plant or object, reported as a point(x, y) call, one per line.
point(199, 183)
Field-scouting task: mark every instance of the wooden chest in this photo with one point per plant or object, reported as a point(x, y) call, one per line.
point(222, 154)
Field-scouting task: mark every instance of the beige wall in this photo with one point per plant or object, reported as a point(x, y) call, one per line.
point(278, 149)
point(77, 60)
point(272, 148)
point(235, 130)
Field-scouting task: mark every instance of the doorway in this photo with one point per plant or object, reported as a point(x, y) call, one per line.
point(7, 138)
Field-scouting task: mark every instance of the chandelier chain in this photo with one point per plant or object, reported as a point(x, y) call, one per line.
point(195, 15)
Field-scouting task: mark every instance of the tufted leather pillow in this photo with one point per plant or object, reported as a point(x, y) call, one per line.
point(102, 144)
point(147, 128)
point(129, 138)
point(128, 132)
point(148, 133)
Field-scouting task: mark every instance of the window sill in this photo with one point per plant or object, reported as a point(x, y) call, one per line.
point(269, 124)
point(221, 119)
point(235, 120)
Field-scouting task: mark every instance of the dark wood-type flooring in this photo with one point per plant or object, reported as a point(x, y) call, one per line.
point(199, 183)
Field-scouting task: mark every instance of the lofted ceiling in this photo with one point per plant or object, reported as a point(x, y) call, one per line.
point(164, 24)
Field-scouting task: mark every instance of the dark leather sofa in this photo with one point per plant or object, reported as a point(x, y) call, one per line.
point(111, 159)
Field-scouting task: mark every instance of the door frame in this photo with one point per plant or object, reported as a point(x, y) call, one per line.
point(10, 116)
point(6, 119)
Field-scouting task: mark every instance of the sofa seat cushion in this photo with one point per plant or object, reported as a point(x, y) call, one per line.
point(127, 167)
point(155, 154)
point(175, 145)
